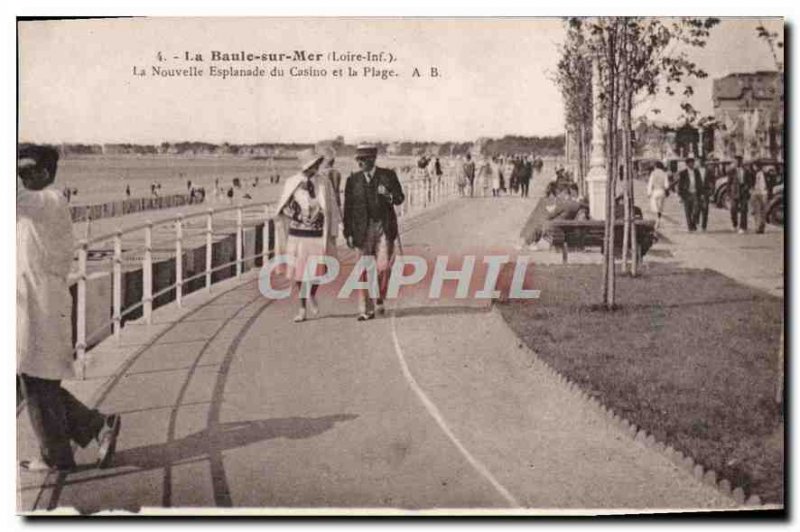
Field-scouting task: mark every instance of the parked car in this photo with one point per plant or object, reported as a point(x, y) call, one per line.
point(719, 169)
point(775, 177)
point(775, 206)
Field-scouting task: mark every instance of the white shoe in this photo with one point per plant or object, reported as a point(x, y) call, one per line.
point(312, 305)
point(379, 309)
point(741, 231)
point(300, 316)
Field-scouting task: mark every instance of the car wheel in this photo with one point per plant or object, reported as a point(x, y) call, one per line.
point(775, 213)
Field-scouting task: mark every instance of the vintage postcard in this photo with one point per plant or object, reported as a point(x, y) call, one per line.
point(400, 266)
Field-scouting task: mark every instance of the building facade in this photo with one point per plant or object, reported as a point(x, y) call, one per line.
point(748, 110)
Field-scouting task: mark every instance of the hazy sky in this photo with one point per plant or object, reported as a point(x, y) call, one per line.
point(76, 82)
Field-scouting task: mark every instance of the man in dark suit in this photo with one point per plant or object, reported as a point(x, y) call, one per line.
point(740, 181)
point(707, 179)
point(690, 190)
point(370, 223)
point(526, 173)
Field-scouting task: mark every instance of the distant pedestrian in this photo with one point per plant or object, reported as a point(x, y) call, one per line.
point(469, 173)
point(423, 173)
point(127, 191)
point(44, 330)
point(707, 183)
point(690, 190)
point(484, 176)
point(517, 170)
point(739, 184)
point(497, 177)
point(526, 174)
point(657, 190)
point(461, 178)
point(510, 175)
point(758, 198)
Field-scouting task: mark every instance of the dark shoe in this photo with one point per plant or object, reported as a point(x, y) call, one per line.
point(108, 440)
point(379, 308)
point(40, 466)
point(366, 316)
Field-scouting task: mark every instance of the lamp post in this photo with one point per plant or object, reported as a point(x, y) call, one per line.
point(597, 177)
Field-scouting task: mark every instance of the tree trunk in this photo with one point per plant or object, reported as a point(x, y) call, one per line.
point(611, 119)
point(629, 166)
point(626, 115)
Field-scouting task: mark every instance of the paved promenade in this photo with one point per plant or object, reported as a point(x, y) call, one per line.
point(752, 259)
point(227, 403)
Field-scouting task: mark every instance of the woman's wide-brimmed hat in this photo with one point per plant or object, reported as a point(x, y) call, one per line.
point(312, 162)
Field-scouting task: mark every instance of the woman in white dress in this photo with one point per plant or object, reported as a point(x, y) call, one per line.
point(310, 216)
point(658, 190)
point(497, 177)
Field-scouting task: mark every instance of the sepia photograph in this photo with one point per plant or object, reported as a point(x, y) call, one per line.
point(400, 266)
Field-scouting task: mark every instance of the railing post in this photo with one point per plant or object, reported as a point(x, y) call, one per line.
point(265, 236)
point(179, 260)
point(147, 274)
point(209, 245)
point(117, 284)
point(239, 243)
point(80, 340)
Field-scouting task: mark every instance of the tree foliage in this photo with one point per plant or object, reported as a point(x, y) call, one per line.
point(774, 42)
point(635, 56)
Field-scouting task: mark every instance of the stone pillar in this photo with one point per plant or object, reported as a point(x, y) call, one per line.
point(700, 150)
point(597, 177)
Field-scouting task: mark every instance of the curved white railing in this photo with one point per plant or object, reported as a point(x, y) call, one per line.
point(420, 194)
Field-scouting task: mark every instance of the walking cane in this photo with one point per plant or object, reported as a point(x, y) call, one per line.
point(399, 240)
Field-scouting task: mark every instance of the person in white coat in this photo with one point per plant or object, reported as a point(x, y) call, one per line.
point(44, 331)
point(310, 215)
point(657, 190)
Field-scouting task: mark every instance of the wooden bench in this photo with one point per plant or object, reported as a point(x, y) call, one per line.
point(580, 234)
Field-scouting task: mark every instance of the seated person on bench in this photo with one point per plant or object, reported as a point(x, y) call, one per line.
point(564, 206)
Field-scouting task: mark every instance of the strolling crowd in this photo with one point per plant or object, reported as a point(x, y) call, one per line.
point(511, 174)
point(748, 189)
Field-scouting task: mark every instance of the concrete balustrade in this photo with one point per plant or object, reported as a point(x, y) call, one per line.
point(154, 264)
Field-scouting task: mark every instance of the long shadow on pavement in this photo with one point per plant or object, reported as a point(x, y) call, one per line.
point(200, 445)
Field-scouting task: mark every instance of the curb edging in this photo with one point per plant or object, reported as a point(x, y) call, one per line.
point(639, 435)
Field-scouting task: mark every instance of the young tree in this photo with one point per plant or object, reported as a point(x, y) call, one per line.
point(636, 55)
point(574, 77)
point(656, 57)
